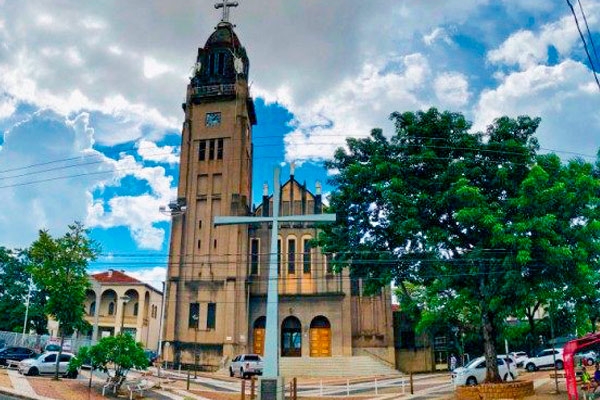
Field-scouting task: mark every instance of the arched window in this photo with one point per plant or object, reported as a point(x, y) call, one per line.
point(111, 308)
point(306, 255)
point(93, 308)
point(291, 256)
point(135, 309)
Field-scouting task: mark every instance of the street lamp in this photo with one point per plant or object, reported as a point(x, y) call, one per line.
point(196, 318)
point(124, 300)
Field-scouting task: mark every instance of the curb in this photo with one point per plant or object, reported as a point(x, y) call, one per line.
point(14, 393)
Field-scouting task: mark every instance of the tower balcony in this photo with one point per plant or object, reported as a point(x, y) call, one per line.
point(213, 91)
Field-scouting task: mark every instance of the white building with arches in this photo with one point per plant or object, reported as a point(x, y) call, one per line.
point(118, 302)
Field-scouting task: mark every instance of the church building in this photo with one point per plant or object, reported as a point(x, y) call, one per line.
point(217, 275)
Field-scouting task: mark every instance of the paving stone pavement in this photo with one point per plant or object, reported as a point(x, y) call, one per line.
point(21, 384)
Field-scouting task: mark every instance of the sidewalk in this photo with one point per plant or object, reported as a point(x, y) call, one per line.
point(212, 387)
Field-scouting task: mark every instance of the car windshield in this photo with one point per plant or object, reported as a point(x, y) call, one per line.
point(252, 358)
point(473, 362)
point(40, 356)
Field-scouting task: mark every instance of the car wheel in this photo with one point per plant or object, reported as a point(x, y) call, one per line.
point(471, 381)
point(242, 374)
point(559, 364)
point(70, 374)
point(530, 367)
point(231, 372)
point(33, 371)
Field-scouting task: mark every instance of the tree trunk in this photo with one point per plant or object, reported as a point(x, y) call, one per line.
point(62, 342)
point(489, 333)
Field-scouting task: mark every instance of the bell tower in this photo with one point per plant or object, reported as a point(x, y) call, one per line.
point(206, 314)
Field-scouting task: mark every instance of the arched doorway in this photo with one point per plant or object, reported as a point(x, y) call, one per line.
point(320, 337)
point(258, 336)
point(291, 337)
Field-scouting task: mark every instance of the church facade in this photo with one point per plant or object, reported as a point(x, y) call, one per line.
point(217, 275)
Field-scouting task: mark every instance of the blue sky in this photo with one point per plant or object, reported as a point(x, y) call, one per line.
point(90, 96)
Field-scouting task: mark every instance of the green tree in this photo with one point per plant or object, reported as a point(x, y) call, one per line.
point(58, 267)
point(455, 212)
point(115, 355)
point(14, 289)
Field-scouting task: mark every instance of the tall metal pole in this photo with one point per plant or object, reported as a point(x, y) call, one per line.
point(162, 317)
point(553, 350)
point(27, 307)
point(196, 318)
point(271, 366)
point(124, 300)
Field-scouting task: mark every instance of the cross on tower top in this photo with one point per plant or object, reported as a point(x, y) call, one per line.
point(225, 5)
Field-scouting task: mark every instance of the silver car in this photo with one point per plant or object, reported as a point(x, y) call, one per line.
point(246, 365)
point(45, 364)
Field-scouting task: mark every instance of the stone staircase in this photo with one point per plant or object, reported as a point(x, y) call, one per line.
point(334, 366)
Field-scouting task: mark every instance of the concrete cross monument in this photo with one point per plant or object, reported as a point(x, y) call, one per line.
point(225, 5)
point(271, 383)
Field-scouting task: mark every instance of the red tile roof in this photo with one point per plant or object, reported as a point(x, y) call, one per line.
point(114, 276)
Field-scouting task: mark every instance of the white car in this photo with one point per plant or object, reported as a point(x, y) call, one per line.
point(474, 372)
point(519, 357)
point(45, 364)
point(246, 365)
point(588, 358)
point(512, 363)
point(545, 358)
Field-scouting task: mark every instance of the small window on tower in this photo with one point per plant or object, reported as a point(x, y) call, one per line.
point(219, 149)
point(202, 150)
point(213, 63)
point(211, 149)
point(221, 64)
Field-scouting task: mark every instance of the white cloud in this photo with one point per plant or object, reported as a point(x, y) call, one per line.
point(356, 106)
point(526, 48)
point(562, 95)
point(48, 171)
point(436, 34)
point(149, 151)
point(138, 213)
point(152, 276)
point(153, 68)
point(452, 89)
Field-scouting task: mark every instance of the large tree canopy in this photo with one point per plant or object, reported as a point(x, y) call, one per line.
point(480, 220)
point(14, 290)
point(58, 267)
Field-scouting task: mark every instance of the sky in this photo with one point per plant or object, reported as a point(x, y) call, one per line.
point(91, 93)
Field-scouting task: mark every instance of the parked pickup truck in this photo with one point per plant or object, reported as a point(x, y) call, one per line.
point(246, 365)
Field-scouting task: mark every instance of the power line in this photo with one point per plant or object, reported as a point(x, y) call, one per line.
point(428, 158)
point(587, 27)
point(585, 46)
point(318, 143)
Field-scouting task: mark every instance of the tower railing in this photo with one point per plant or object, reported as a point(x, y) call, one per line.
point(214, 90)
